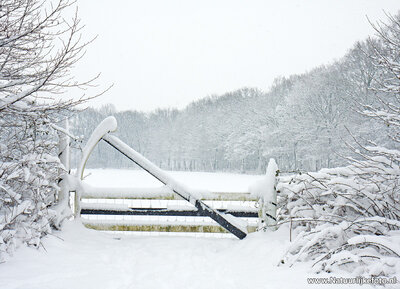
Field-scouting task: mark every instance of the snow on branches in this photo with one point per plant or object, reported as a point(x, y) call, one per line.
point(345, 217)
point(28, 187)
point(349, 217)
point(38, 47)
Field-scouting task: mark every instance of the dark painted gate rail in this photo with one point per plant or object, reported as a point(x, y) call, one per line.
point(164, 212)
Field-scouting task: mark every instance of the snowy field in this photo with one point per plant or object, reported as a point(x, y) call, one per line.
point(214, 182)
point(81, 258)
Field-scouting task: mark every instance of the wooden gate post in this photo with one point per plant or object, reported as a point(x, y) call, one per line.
point(64, 156)
point(62, 205)
point(266, 191)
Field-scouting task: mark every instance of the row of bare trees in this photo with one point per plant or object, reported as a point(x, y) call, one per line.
point(303, 122)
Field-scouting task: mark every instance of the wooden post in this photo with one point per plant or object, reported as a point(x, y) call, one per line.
point(268, 200)
point(64, 156)
point(62, 206)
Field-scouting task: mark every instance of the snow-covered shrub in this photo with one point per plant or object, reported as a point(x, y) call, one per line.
point(347, 218)
point(29, 172)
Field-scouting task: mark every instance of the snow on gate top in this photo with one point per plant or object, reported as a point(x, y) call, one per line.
point(214, 182)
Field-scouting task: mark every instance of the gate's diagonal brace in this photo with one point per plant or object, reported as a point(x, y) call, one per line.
point(178, 188)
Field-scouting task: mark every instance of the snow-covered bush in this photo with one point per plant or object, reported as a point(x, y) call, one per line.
point(28, 185)
point(346, 218)
point(37, 49)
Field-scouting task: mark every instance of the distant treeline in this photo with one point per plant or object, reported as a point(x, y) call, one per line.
point(305, 121)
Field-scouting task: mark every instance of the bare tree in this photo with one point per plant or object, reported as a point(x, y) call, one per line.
point(38, 49)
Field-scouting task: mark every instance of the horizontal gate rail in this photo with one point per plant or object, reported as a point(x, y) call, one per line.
point(154, 226)
point(164, 212)
point(162, 193)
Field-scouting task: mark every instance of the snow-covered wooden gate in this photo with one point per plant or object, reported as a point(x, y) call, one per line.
point(222, 220)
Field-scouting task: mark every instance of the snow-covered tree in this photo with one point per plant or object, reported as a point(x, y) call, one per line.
point(38, 47)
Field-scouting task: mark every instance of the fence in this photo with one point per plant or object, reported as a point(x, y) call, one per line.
point(172, 207)
point(161, 210)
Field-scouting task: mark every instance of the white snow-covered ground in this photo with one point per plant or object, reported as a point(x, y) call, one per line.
point(81, 258)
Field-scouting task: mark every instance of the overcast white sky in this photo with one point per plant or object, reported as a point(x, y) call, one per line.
point(168, 53)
